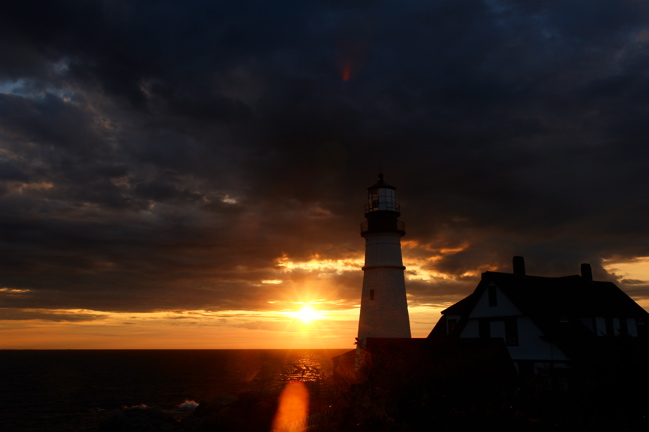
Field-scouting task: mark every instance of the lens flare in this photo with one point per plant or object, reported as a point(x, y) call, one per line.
point(293, 408)
point(347, 72)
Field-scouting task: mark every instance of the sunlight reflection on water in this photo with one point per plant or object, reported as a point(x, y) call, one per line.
point(306, 368)
point(274, 371)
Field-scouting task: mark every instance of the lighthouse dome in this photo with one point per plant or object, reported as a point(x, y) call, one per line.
point(381, 184)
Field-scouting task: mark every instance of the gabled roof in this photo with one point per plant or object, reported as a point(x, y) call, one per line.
point(575, 295)
point(554, 304)
point(572, 296)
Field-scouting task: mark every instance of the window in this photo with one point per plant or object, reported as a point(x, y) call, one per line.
point(610, 326)
point(632, 327)
point(600, 326)
point(505, 328)
point(511, 332)
point(382, 199)
point(610, 329)
point(624, 327)
point(450, 325)
point(484, 328)
point(493, 299)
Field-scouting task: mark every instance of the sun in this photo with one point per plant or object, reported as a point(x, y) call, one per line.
point(307, 314)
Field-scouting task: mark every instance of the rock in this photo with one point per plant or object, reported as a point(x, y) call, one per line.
point(250, 412)
point(140, 420)
point(214, 404)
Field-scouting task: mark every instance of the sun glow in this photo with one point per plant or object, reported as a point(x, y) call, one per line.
point(307, 314)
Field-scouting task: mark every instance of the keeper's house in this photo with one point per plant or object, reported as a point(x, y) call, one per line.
point(550, 322)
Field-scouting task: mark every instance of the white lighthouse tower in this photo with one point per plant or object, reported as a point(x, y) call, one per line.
point(384, 308)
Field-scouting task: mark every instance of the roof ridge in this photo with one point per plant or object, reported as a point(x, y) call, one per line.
point(530, 276)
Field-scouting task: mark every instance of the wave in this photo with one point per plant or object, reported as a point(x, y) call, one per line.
point(188, 405)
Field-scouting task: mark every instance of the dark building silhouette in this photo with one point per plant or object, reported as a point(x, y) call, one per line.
point(550, 322)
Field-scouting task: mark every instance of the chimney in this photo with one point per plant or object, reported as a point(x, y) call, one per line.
point(519, 266)
point(586, 272)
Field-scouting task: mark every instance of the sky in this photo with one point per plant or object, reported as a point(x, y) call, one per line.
point(190, 174)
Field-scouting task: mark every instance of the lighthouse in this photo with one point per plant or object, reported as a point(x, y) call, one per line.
point(384, 307)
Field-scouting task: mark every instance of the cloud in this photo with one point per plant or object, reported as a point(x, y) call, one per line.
point(165, 157)
point(14, 314)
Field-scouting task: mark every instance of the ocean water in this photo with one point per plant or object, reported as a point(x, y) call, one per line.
point(74, 390)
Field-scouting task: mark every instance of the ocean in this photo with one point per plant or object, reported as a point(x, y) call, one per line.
point(74, 390)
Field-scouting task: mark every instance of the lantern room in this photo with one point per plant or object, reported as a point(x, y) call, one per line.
point(381, 197)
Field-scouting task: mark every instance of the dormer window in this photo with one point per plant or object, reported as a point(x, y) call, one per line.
point(492, 294)
point(451, 323)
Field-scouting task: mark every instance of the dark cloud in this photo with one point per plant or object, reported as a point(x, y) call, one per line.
point(32, 314)
point(163, 156)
